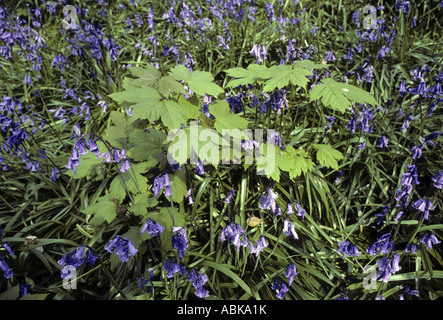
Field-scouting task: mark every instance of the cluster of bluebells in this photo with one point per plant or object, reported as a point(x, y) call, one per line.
point(196, 278)
point(268, 202)
point(161, 182)
point(76, 258)
point(122, 247)
point(152, 227)
point(279, 286)
point(180, 240)
point(85, 143)
point(237, 236)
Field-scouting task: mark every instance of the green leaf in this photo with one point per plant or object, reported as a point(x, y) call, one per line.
point(145, 102)
point(327, 155)
point(141, 204)
point(224, 119)
point(103, 210)
point(34, 296)
point(339, 96)
point(297, 162)
point(254, 73)
point(190, 111)
point(147, 144)
point(178, 185)
point(283, 75)
point(146, 76)
point(200, 82)
point(172, 115)
point(131, 180)
point(167, 84)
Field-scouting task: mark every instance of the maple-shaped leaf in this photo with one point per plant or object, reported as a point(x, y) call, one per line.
point(200, 82)
point(224, 118)
point(327, 155)
point(243, 77)
point(283, 75)
point(340, 96)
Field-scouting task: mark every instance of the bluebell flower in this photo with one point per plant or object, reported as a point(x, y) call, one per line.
point(162, 182)
point(280, 288)
point(383, 142)
point(189, 197)
point(123, 248)
point(330, 56)
point(387, 267)
point(268, 201)
point(179, 240)
point(416, 152)
point(382, 246)
point(384, 212)
point(438, 180)
point(7, 271)
point(24, 289)
point(347, 248)
point(343, 297)
point(412, 247)
point(260, 245)
point(172, 267)
point(423, 205)
point(198, 280)
point(228, 198)
point(289, 229)
point(379, 297)
point(291, 272)
point(235, 233)
point(429, 239)
point(409, 292)
point(152, 227)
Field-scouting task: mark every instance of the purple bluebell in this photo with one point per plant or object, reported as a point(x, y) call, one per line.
point(387, 267)
point(382, 246)
point(179, 240)
point(423, 205)
point(198, 280)
point(346, 248)
point(228, 198)
point(429, 239)
point(152, 228)
point(7, 271)
point(289, 229)
point(280, 288)
point(268, 201)
point(123, 248)
point(383, 142)
point(385, 211)
point(235, 233)
point(172, 267)
point(409, 292)
point(330, 56)
point(412, 247)
point(24, 289)
point(260, 245)
point(343, 296)
point(438, 180)
point(291, 272)
point(162, 182)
